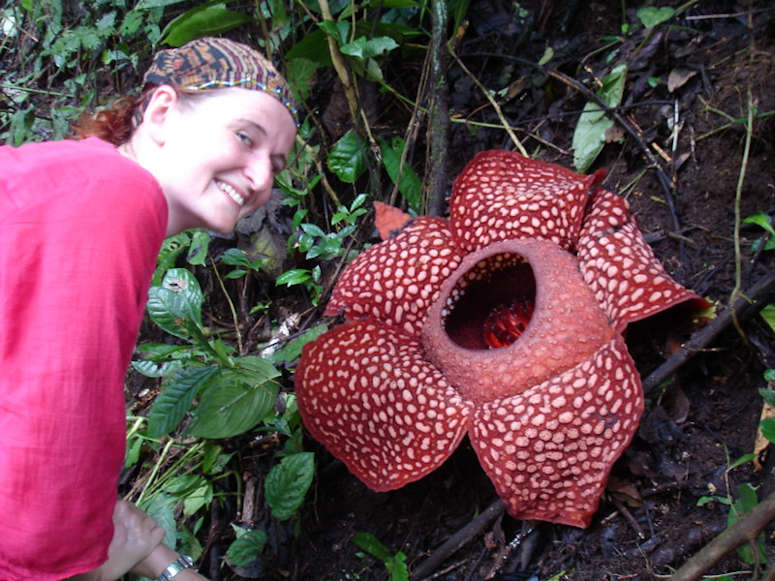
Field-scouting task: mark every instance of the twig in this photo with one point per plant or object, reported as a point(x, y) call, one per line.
point(492, 101)
point(744, 305)
point(459, 539)
point(738, 195)
point(743, 531)
point(231, 306)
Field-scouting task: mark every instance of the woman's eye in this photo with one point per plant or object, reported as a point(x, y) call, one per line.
point(245, 138)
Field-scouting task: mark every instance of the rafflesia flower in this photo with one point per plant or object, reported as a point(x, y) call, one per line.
point(503, 323)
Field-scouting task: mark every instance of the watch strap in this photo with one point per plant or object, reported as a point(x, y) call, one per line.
point(182, 562)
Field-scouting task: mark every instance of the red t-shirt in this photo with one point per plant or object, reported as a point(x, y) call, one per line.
point(80, 229)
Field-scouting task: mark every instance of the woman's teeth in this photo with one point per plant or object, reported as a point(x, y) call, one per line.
point(232, 193)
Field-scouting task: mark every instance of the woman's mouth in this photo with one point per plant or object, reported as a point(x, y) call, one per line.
point(231, 192)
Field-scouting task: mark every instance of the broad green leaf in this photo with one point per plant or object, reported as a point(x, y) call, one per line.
point(198, 498)
point(171, 248)
point(175, 306)
point(230, 406)
point(768, 314)
point(355, 49)
point(174, 401)
point(287, 484)
point(769, 375)
point(235, 257)
point(313, 47)
point(767, 428)
point(246, 548)
point(292, 350)
point(197, 251)
point(612, 90)
point(293, 276)
point(152, 369)
point(590, 134)
point(346, 158)
point(255, 369)
point(654, 16)
point(409, 185)
point(379, 45)
point(161, 507)
point(207, 20)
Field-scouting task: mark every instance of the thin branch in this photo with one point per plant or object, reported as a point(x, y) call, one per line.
point(493, 102)
point(743, 531)
point(459, 539)
point(744, 305)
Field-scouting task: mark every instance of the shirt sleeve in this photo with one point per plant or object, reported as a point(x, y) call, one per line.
point(78, 242)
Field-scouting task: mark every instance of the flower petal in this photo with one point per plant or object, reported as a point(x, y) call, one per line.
point(550, 449)
point(366, 393)
point(397, 280)
point(389, 220)
point(620, 267)
point(502, 195)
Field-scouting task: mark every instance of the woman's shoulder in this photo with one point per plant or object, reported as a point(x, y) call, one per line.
point(89, 168)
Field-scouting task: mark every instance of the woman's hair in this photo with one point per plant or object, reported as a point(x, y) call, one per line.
point(115, 123)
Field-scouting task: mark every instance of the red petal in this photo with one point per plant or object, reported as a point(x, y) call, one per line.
point(550, 449)
point(502, 195)
point(369, 396)
point(620, 267)
point(389, 220)
point(397, 280)
point(567, 325)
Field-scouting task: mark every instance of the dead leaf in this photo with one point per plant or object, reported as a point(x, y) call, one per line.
point(761, 443)
point(388, 219)
point(678, 77)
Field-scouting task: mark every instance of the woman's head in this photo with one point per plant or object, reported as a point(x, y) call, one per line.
point(214, 125)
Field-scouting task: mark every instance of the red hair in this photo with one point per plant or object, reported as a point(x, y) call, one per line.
point(115, 123)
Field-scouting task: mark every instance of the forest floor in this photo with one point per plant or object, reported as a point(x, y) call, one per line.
point(714, 64)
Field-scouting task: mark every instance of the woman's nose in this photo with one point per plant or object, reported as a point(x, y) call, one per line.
point(258, 170)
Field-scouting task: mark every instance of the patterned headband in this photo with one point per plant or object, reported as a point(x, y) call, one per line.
point(210, 63)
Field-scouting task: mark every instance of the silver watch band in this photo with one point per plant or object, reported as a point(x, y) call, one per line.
point(182, 562)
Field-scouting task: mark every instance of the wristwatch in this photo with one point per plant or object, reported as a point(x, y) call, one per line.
point(182, 562)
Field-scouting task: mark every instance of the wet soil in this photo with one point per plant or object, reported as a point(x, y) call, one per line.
point(702, 418)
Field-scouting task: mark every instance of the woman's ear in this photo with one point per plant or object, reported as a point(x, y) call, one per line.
point(162, 102)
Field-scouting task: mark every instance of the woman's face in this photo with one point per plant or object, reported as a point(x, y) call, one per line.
point(216, 155)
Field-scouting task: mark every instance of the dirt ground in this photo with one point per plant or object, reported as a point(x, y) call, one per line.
point(706, 415)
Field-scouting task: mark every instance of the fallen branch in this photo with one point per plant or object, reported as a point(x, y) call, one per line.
point(743, 531)
point(459, 539)
point(744, 306)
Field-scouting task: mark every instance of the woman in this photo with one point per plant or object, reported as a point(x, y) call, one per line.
point(81, 223)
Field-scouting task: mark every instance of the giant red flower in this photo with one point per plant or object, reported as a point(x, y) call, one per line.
point(504, 323)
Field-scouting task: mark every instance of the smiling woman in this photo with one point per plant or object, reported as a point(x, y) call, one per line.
point(81, 223)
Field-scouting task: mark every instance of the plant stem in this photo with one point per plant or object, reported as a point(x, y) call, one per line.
point(231, 307)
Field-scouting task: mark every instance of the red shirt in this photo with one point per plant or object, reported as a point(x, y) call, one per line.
point(80, 229)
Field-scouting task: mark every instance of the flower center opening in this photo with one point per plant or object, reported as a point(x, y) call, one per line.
point(492, 303)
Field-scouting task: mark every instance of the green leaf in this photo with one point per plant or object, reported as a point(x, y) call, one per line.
point(161, 507)
point(207, 20)
point(197, 251)
point(171, 248)
point(409, 185)
point(372, 545)
point(176, 305)
point(231, 406)
point(769, 375)
point(175, 399)
point(590, 134)
point(654, 16)
point(346, 158)
point(293, 276)
point(767, 427)
point(768, 394)
point(246, 548)
point(292, 350)
point(768, 314)
point(287, 484)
